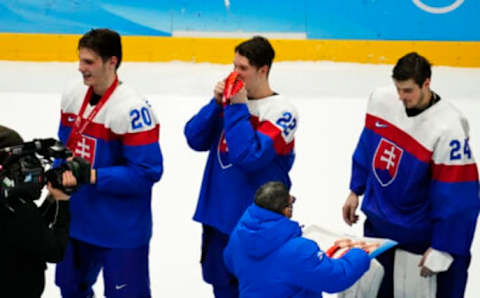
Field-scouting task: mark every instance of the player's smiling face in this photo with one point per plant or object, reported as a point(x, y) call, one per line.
point(412, 95)
point(93, 69)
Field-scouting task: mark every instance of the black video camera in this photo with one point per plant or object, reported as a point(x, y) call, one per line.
point(23, 174)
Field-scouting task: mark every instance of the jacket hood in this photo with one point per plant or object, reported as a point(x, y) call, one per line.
point(262, 231)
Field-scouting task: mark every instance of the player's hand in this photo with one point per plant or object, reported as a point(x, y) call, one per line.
point(424, 271)
point(349, 208)
point(240, 97)
point(218, 91)
point(57, 194)
point(83, 171)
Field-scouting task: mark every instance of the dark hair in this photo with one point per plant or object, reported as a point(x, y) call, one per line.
point(412, 66)
point(273, 196)
point(105, 42)
point(258, 51)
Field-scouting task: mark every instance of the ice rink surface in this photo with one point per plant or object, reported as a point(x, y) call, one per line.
point(331, 100)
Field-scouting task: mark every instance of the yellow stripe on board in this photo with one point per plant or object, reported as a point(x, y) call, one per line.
point(62, 47)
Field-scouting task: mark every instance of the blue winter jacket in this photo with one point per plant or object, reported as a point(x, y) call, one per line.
point(270, 258)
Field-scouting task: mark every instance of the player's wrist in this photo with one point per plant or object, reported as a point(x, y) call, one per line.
point(354, 193)
point(93, 176)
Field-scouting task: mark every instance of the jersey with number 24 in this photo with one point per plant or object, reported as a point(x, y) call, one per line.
point(418, 174)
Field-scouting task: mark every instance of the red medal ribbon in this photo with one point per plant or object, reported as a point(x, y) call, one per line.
point(79, 126)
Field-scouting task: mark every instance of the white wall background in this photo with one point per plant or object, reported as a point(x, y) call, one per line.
point(330, 97)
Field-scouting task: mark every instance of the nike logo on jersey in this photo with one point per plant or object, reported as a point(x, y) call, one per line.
point(119, 287)
point(380, 124)
point(70, 119)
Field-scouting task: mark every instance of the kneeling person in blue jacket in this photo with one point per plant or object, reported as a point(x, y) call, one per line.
point(270, 258)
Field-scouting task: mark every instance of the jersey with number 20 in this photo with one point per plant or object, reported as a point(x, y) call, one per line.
point(417, 173)
point(250, 144)
point(122, 145)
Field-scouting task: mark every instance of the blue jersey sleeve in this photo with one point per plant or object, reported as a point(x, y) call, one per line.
point(202, 129)
point(454, 191)
point(140, 163)
point(252, 146)
point(361, 159)
point(455, 233)
point(360, 162)
point(143, 166)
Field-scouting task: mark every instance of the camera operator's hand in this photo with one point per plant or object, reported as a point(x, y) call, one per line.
point(82, 170)
point(57, 194)
point(68, 179)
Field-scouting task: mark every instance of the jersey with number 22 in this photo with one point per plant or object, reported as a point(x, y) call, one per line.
point(250, 144)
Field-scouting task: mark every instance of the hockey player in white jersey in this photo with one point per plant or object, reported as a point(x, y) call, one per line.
point(250, 140)
point(108, 123)
point(414, 166)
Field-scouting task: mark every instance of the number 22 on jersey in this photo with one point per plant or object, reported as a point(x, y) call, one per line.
point(287, 122)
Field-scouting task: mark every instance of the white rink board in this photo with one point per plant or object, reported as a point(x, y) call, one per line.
point(330, 97)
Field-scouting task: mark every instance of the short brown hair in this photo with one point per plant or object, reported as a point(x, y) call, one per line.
point(258, 51)
point(105, 42)
point(412, 66)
